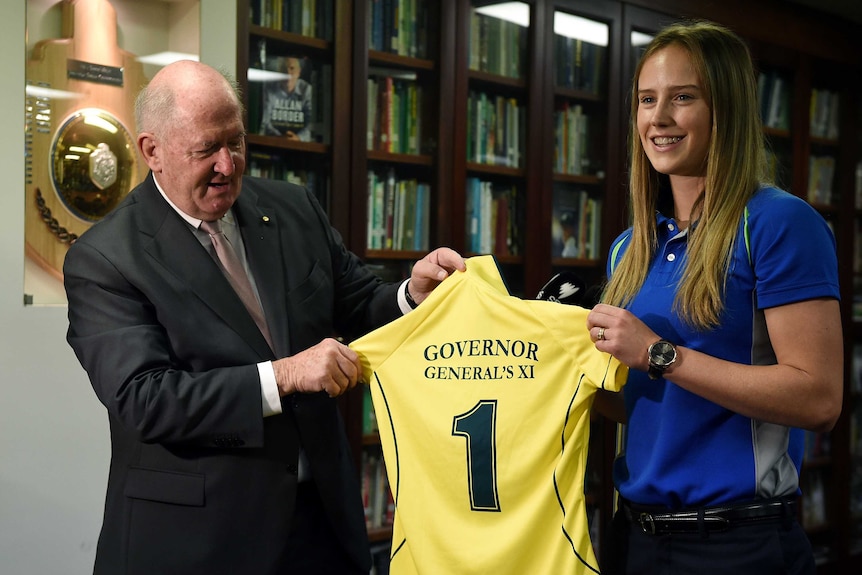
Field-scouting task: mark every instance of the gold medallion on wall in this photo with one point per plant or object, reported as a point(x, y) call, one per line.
point(81, 153)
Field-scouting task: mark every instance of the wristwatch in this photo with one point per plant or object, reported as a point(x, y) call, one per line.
point(661, 356)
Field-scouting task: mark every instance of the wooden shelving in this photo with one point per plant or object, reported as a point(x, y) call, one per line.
point(810, 50)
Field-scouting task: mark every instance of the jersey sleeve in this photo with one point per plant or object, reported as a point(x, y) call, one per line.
point(374, 347)
point(569, 325)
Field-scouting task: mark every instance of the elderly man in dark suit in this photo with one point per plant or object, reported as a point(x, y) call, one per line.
point(228, 453)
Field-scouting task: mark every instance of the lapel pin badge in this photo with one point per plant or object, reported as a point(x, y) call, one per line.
point(265, 220)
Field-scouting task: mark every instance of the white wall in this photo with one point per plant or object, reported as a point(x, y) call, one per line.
point(54, 445)
point(53, 433)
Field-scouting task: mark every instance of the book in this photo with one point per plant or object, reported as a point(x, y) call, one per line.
point(494, 129)
point(571, 139)
point(376, 495)
point(398, 211)
point(423, 199)
point(371, 118)
point(575, 223)
point(491, 210)
point(369, 419)
point(774, 97)
point(287, 99)
point(821, 172)
point(393, 114)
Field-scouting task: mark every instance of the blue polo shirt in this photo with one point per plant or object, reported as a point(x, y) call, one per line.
point(682, 450)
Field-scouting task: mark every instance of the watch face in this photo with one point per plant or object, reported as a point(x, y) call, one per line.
point(662, 354)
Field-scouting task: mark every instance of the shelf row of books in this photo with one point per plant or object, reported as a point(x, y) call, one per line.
point(824, 114)
point(493, 217)
point(394, 115)
point(497, 46)
point(399, 27)
point(821, 172)
point(571, 140)
point(306, 17)
point(376, 496)
point(496, 128)
point(398, 212)
point(275, 166)
point(575, 223)
point(774, 90)
point(580, 65)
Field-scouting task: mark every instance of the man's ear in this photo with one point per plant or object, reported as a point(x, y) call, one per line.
point(148, 147)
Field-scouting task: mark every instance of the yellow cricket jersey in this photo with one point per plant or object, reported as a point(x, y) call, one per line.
point(482, 401)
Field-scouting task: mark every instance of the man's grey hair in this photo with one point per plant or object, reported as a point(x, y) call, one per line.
point(154, 106)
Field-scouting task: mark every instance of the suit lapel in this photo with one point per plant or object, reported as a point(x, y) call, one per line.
point(175, 246)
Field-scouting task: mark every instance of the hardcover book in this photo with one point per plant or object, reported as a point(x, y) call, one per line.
point(288, 99)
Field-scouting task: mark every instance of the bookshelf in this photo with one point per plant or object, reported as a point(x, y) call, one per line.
point(775, 91)
point(401, 85)
point(298, 127)
point(501, 139)
point(818, 155)
point(584, 47)
point(496, 98)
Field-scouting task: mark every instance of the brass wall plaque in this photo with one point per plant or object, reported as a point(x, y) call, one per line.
point(93, 163)
point(81, 157)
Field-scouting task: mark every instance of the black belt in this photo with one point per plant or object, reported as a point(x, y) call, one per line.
point(721, 518)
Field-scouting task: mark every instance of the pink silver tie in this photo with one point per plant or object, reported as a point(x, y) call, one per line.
point(236, 275)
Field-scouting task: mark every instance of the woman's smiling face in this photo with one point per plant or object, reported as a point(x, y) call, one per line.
point(673, 118)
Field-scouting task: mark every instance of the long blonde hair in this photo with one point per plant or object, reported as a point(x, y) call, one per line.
point(734, 169)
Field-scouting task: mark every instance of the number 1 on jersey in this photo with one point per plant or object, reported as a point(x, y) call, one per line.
point(479, 427)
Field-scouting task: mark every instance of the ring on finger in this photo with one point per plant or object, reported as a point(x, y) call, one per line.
point(601, 334)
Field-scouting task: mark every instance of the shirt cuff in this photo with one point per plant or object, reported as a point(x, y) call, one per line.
point(402, 298)
point(268, 389)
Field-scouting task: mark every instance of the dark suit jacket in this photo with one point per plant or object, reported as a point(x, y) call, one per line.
point(200, 481)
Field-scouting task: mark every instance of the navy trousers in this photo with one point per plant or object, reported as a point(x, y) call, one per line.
point(778, 547)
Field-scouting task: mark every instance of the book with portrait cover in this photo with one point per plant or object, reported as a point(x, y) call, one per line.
point(287, 99)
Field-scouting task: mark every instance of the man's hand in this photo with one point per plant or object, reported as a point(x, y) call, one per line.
point(329, 366)
point(431, 270)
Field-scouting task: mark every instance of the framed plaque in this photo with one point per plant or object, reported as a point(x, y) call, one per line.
point(80, 146)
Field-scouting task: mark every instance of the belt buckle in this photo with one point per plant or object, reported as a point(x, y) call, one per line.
point(647, 523)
